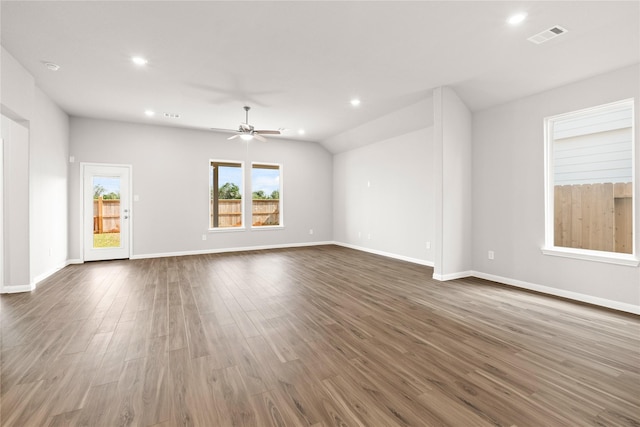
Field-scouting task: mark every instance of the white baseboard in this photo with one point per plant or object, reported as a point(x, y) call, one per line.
point(603, 302)
point(386, 254)
point(18, 288)
point(225, 250)
point(452, 276)
point(40, 277)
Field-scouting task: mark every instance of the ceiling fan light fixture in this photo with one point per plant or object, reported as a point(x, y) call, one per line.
point(246, 137)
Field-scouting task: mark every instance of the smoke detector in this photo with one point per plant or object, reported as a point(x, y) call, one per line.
point(547, 35)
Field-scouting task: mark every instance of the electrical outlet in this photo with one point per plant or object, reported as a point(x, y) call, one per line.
point(428, 245)
point(311, 231)
point(204, 237)
point(491, 255)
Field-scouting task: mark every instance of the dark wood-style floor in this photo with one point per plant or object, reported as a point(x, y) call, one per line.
point(320, 336)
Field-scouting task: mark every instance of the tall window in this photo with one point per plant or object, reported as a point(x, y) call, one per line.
point(590, 175)
point(266, 192)
point(226, 194)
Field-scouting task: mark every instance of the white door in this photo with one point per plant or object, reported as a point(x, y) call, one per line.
point(107, 211)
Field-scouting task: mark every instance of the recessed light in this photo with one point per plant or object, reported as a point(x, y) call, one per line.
point(51, 66)
point(149, 113)
point(300, 131)
point(355, 102)
point(139, 60)
point(517, 18)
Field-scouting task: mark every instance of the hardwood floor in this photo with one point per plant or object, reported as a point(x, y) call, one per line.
point(319, 336)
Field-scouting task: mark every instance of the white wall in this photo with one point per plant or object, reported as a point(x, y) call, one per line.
point(383, 197)
point(48, 160)
point(35, 155)
point(16, 206)
point(405, 120)
point(171, 178)
point(508, 195)
point(452, 177)
point(17, 88)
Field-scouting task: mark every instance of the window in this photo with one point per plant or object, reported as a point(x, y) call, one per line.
point(589, 177)
point(225, 195)
point(266, 195)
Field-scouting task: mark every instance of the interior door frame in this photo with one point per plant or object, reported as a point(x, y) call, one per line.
point(83, 166)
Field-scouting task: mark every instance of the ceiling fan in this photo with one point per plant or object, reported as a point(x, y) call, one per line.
point(247, 132)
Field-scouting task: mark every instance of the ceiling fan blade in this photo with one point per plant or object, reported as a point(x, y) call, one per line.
point(268, 132)
point(233, 137)
point(223, 130)
point(259, 138)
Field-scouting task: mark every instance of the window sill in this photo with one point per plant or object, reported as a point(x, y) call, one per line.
point(588, 255)
point(268, 227)
point(226, 229)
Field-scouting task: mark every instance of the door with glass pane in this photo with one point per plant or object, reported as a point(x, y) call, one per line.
point(107, 212)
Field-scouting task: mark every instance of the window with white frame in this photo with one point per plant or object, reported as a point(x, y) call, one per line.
point(589, 181)
point(266, 195)
point(225, 194)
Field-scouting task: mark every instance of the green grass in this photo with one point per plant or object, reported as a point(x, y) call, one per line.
point(106, 240)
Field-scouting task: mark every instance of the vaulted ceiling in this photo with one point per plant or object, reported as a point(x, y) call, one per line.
point(298, 64)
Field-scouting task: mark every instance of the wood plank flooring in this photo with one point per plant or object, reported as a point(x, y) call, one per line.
point(318, 336)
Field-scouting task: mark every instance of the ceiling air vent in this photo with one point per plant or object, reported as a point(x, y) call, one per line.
point(547, 35)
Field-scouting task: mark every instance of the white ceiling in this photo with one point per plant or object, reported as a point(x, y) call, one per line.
point(299, 63)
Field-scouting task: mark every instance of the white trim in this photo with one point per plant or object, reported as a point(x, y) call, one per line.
point(280, 197)
point(225, 229)
point(603, 302)
point(452, 276)
point(386, 254)
point(242, 196)
point(40, 277)
point(18, 288)
point(225, 250)
point(83, 165)
point(267, 227)
point(599, 256)
point(549, 220)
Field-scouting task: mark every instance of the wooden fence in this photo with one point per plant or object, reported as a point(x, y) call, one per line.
point(106, 216)
point(264, 212)
point(594, 216)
